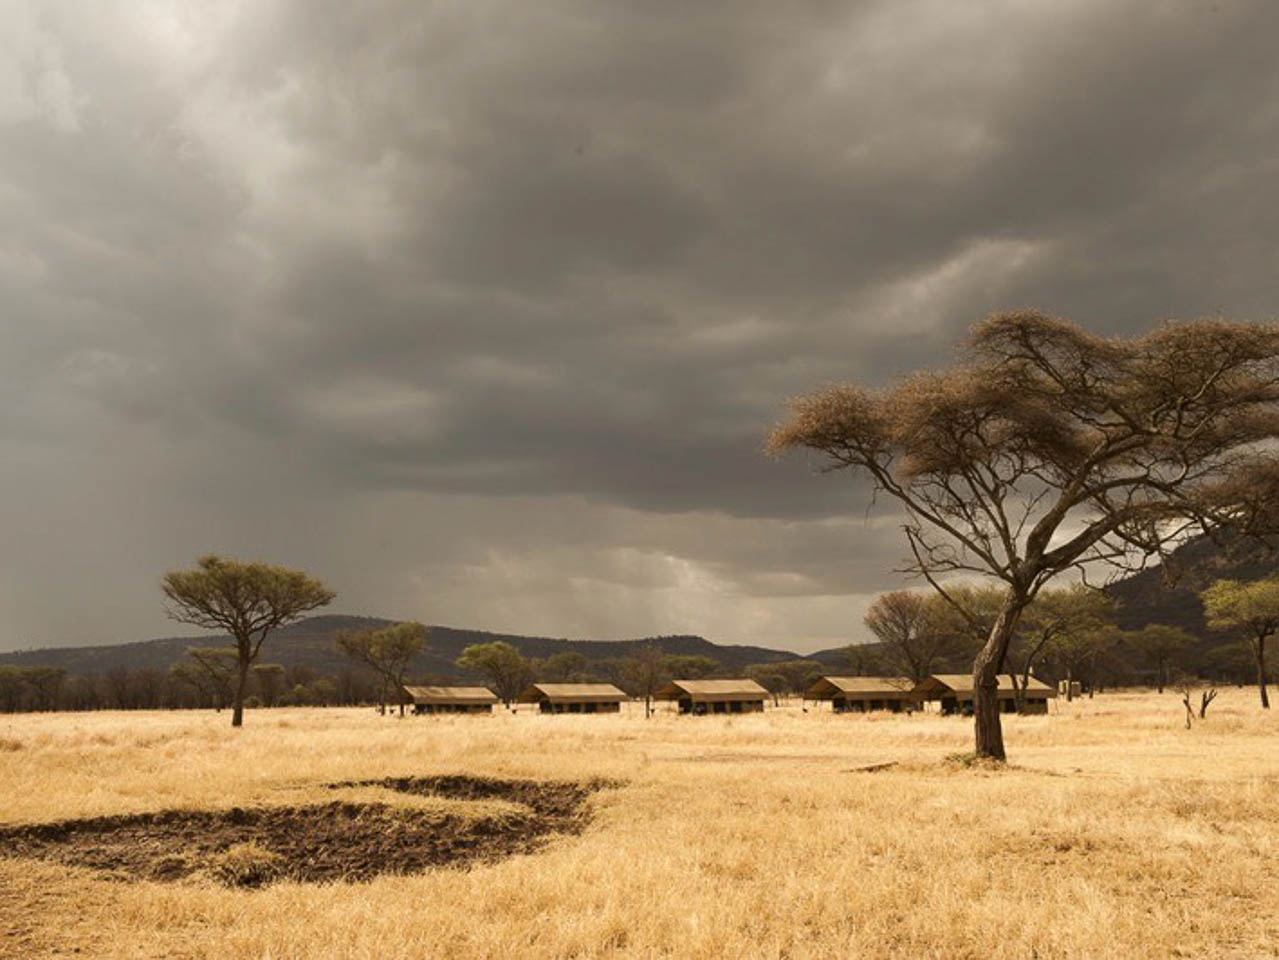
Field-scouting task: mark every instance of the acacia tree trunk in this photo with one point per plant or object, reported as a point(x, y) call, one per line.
point(1022, 687)
point(1019, 689)
point(237, 711)
point(1070, 683)
point(986, 667)
point(1261, 673)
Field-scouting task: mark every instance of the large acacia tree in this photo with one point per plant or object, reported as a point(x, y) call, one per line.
point(1047, 448)
point(247, 600)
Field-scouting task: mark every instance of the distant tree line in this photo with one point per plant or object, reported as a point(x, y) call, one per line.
point(1069, 634)
point(25, 689)
point(1065, 633)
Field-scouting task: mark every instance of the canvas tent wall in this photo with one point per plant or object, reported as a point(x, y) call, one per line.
point(715, 696)
point(861, 694)
point(574, 697)
point(954, 693)
point(451, 699)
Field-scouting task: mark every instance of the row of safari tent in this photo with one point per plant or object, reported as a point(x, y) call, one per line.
point(952, 693)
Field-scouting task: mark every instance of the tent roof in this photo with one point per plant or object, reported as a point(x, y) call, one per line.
point(962, 683)
point(581, 692)
point(740, 689)
point(451, 694)
point(828, 687)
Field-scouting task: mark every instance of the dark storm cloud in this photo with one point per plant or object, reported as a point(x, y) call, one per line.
point(381, 288)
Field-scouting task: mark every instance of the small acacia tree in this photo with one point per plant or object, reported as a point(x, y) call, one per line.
point(388, 651)
point(1251, 609)
point(644, 671)
point(504, 666)
point(797, 675)
point(1049, 448)
point(1068, 624)
point(218, 667)
point(1161, 644)
point(270, 677)
point(770, 678)
point(247, 600)
point(911, 639)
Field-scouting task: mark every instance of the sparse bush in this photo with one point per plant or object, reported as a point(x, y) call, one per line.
point(245, 865)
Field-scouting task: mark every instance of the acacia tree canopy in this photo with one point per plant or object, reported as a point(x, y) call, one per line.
point(247, 600)
point(505, 667)
point(1047, 447)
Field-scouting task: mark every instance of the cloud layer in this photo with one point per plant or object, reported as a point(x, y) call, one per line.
point(480, 310)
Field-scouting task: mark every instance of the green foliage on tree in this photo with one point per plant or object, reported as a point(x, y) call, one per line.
point(768, 677)
point(865, 660)
point(684, 666)
point(387, 651)
point(247, 600)
point(1249, 609)
point(505, 668)
point(566, 667)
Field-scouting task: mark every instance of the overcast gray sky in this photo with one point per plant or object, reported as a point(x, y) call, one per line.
point(479, 310)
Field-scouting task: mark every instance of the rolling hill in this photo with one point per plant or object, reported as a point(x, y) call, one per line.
point(310, 643)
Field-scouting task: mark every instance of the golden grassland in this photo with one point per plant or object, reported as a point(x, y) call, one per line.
point(1114, 831)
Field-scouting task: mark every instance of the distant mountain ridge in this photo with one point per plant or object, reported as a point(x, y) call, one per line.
point(1148, 597)
point(310, 643)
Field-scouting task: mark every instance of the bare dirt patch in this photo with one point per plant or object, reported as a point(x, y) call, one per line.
point(339, 840)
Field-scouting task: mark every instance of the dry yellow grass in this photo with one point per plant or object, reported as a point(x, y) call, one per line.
point(1116, 832)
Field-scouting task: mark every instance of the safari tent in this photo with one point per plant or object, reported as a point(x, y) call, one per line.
point(451, 699)
point(714, 696)
point(574, 697)
point(861, 694)
point(954, 693)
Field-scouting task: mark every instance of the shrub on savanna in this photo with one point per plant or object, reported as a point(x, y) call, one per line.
point(246, 864)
